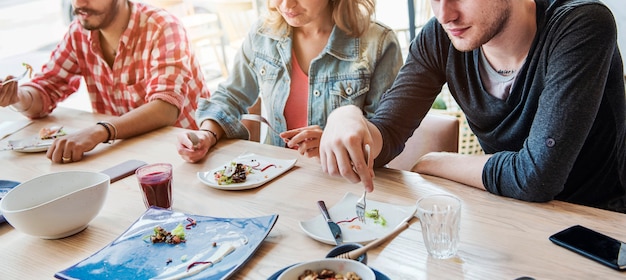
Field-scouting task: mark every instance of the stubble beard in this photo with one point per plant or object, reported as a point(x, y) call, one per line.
point(491, 30)
point(103, 18)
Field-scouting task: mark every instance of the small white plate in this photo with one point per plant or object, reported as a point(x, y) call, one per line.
point(265, 169)
point(31, 145)
point(356, 231)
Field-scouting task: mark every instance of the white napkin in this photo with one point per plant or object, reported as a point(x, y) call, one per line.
point(9, 127)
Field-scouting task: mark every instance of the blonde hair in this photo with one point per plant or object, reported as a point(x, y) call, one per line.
point(351, 16)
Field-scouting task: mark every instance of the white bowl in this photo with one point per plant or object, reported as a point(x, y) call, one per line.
point(55, 205)
point(337, 265)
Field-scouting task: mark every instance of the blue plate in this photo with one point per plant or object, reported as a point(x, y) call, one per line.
point(379, 275)
point(5, 187)
point(134, 256)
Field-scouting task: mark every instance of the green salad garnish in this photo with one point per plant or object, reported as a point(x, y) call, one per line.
point(374, 214)
point(176, 236)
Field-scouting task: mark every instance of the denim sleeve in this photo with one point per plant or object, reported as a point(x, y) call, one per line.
point(233, 96)
point(412, 93)
point(389, 61)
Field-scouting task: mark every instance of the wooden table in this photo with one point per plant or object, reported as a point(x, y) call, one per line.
point(501, 238)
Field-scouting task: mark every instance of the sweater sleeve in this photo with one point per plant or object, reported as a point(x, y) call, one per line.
point(411, 95)
point(573, 54)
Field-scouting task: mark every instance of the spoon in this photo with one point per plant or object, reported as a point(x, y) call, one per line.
point(354, 254)
point(194, 139)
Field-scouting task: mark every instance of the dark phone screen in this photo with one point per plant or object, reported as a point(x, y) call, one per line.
point(593, 244)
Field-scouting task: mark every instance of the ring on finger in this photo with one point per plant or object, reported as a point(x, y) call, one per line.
point(66, 159)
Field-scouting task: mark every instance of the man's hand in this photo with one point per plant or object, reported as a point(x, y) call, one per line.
point(342, 146)
point(72, 147)
point(8, 93)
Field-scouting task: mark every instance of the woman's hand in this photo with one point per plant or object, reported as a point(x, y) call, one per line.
point(305, 139)
point(194, 145)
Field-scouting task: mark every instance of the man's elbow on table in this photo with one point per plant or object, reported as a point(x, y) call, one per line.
point(167, 114)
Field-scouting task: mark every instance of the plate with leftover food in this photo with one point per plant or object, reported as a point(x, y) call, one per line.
point(5, 187)
point(164, 244)
point(380, 219)
point(247, 171)
point(39, 143)
point(379, 275)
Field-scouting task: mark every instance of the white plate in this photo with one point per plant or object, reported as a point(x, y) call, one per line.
point(34, 145)
point(255, 179)
point(355, 231)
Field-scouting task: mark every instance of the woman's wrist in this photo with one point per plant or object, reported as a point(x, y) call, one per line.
point(212, 135)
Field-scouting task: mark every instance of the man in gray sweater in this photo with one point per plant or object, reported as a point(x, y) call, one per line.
point(541, 83)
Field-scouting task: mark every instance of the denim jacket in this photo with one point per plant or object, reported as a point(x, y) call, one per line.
point(348, 71)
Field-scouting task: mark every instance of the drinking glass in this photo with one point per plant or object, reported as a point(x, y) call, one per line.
point(440, 217)
point(156, 184)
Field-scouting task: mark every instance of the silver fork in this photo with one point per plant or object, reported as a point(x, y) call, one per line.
point(361, 204)
point(261, 119)
point(360, 207)
point(14, 79)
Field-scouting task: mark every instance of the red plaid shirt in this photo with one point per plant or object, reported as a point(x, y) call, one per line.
point(154, 61)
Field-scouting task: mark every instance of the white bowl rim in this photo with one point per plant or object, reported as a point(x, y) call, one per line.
point(306, 263)
point(102, 179)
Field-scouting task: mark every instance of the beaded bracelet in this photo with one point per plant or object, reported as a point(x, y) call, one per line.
point(212, 133)
point(111, 131)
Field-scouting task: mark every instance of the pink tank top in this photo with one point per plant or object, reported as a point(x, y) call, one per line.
point(296, 109)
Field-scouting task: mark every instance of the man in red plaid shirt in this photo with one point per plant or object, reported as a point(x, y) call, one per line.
point(137, 65)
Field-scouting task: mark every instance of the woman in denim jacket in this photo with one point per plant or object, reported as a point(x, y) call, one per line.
point(305, 59)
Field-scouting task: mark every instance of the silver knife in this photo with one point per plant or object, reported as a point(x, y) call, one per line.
point(334, 228)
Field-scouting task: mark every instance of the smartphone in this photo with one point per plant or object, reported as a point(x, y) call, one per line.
point(594, 245)
point(123, 169)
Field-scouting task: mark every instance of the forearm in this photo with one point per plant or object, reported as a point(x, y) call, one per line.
point(148, 117)
point(29, 103)
point(465, 169)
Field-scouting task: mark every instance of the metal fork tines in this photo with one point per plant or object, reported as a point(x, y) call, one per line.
point(259, 118)
point(360, 207)
point(15, 78)
point(361, 204)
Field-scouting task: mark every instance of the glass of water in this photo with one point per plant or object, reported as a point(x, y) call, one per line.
point(440, 218)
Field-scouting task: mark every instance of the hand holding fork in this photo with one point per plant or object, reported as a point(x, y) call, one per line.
point(15, 79)
point(361, 204)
